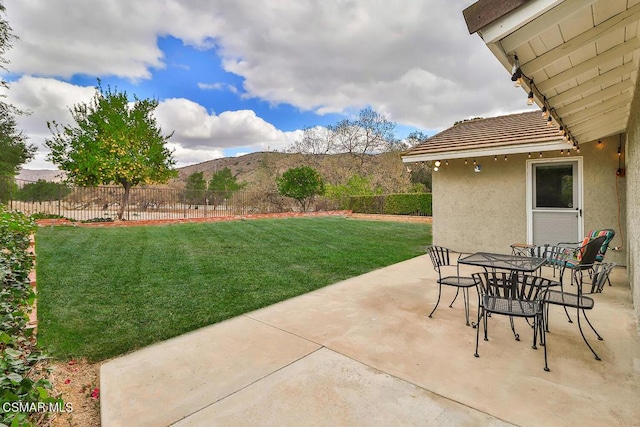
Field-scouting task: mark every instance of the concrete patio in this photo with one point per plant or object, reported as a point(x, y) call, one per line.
point(363, 352)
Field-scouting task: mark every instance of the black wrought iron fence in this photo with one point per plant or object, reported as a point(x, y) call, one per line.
point(103, 203)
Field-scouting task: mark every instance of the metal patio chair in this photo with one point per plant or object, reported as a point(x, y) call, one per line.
point(441, 259)
point(512, 295)
point(598, 275)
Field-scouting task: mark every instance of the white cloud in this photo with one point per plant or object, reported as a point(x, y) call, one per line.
point(195, 128)
point(218, 86)
point(412, 60)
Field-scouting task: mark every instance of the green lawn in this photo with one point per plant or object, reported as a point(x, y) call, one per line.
point(106, 291)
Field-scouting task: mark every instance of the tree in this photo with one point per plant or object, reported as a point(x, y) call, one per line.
point(223, 180)
point(195, 188)
point(302, 184)
point(112, 142)
point(42, 190)
point(349, 147)
point(14, 150)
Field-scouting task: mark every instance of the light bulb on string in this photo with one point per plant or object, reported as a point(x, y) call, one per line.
point(530, 97)
point(550, 121)
point(529, 155)
point(541, 154)
point(446, 162)
point(561, 130)
point(495, 158)
point(516, 72)
point(465, 161)
point(435, 169)
point(437, 163)
point(545, 113)
point(505, 157)
point(561, 152)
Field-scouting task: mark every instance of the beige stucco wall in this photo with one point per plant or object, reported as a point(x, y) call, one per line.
point(632, 157)
point(486, 211)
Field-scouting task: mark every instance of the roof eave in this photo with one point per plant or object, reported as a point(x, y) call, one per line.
point(489, 151)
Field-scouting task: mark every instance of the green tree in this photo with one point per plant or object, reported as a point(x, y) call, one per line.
point(195, 188)
point(112, 142)
point(224, 180)
point(42, 190)
point(14, 150)
point(302, 184)
point(356, 185)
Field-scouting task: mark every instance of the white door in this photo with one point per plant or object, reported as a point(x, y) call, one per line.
point(554, 201)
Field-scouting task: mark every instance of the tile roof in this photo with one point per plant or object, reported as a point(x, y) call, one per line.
point(523, 129)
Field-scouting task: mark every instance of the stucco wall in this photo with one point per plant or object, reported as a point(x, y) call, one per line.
point(480, 211)
point(486, 211)
point(632, 157)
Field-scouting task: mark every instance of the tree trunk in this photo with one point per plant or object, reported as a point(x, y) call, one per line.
point(125, 200)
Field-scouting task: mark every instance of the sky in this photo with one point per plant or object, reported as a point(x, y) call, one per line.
point(239, 76)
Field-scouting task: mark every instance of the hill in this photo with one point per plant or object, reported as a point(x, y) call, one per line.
point(259, 170)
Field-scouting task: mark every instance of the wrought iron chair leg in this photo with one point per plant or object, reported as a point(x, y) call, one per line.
point(585, 338)
point(480, 314)
point(485, 321)
point(455, 298)
point(592, 328)
point(513, 329)
point(473, 324)
point(465, 296)
point(544, 339)
point(437, 302)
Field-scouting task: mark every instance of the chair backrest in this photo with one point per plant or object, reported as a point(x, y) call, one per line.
point(439, 257)
point(591, 250)
point(609, 234)
point(511, 286)
point(600, 275)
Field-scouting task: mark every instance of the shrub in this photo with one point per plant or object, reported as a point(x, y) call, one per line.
point(393, 204)
point(20, 374)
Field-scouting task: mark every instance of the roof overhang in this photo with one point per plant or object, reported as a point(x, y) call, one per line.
point(582, 55)
point(489, 151)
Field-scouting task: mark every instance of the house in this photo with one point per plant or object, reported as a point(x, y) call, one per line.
point(578, 61)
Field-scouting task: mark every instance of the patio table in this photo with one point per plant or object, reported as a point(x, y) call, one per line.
point(514, 263)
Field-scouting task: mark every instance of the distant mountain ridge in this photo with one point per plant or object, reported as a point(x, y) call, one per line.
point(259, 170)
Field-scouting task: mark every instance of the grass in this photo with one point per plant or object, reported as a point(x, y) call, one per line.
point(103, 292)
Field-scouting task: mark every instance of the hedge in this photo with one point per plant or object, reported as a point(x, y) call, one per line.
point(393, 204)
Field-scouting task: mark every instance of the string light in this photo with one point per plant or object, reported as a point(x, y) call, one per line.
point(541, 154)
point(495, 158)
point(516, 72)
point(517, 76)
point(437, 163)
point(561, 152)
point(465, 161)
point(529, 155)
point(446, 162)
point(599, 144)
point(505, 157)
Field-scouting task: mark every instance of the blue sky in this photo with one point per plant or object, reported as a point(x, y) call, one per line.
point(244, 76)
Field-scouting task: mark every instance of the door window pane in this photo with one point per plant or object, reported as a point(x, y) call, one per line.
point(554, 186)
